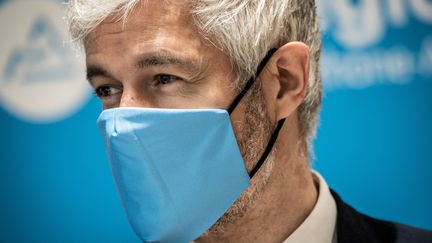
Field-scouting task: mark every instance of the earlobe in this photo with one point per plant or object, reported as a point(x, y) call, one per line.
point(292, 62)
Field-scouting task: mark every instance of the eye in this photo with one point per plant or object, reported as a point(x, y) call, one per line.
point(164, 79)
point(106, 91)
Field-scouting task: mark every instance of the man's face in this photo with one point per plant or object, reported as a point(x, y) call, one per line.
point(158, 59)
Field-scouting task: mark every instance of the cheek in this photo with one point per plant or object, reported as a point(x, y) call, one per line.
point(220, 96)
point(253, 127)
point(238, 121)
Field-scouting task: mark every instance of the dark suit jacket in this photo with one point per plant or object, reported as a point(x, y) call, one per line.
point(354, 227)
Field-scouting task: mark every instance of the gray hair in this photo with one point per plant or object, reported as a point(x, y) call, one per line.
point(245, 30)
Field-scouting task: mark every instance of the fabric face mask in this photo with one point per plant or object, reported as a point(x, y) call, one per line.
point(177, 170)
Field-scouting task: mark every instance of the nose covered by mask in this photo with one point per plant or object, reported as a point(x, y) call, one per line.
point(177, 170)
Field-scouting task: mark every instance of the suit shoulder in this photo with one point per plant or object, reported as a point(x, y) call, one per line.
point(355, 227)
point(407, 234)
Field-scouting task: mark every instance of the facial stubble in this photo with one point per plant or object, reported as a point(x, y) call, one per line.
point(257, 130)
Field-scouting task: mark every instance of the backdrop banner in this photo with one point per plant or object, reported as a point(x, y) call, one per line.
point(373, 147)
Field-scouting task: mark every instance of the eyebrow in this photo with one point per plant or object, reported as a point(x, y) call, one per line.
point(148, 60)
point(94, 70)
point(164, 58)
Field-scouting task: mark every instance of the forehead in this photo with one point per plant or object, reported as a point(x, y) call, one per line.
point(150, 24)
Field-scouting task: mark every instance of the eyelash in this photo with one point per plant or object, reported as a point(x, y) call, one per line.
point(105, 91)
point(160, 79)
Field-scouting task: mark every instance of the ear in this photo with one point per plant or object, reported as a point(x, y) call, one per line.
point(286, 80)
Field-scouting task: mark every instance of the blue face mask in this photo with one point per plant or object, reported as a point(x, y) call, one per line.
point(177, 170)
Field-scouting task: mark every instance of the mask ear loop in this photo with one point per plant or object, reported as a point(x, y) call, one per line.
point(251, 81)
point(240, 96)
point(268, 149)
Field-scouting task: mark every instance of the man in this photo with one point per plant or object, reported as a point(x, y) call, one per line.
point(173, 77)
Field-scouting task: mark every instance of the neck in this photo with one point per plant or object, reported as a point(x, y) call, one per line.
point(282, 206)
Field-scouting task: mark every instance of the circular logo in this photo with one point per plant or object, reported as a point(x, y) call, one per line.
point(41, 76)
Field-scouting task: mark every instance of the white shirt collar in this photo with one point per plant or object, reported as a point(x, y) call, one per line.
point(320, 225)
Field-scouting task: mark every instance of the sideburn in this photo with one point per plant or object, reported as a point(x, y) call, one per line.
point(257, 128)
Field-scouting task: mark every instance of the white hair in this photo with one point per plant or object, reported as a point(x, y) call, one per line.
point(245, 30)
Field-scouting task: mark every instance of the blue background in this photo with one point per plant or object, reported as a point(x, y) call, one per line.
point(373, 147)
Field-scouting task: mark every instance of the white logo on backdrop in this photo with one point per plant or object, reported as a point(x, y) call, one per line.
point(41, 79)
point(357, 25)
